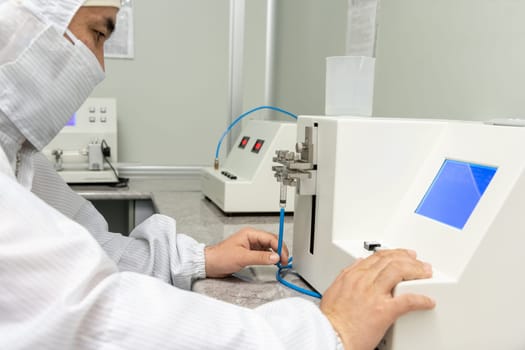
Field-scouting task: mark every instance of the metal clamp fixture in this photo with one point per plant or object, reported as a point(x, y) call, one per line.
point(59, 164)
point(295, 166)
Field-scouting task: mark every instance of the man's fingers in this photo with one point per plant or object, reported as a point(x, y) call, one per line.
point(261, 240)
point(390, 254)
point(411, 302)
point(377, 262)
point(255, 257)
point(401, 270)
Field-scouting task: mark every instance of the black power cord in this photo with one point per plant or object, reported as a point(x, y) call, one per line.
point(106, 153)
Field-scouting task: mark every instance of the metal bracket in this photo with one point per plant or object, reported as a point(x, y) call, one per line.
point(296, 167)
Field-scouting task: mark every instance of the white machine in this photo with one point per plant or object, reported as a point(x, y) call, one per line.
point(82, 149)
point(245, 183)
point(452, 191)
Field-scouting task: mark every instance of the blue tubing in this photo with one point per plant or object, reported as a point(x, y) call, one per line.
point(288, 268)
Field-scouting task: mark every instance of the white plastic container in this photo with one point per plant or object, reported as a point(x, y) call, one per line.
point(349, 85)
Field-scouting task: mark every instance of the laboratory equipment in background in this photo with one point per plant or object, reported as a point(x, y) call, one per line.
point(85, 150)
point(245, 182)
point(452, 191)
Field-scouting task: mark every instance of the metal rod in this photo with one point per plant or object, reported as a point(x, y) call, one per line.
point(236, 60)
point(271, 13)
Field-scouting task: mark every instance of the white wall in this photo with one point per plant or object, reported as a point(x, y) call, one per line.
point(255, 53)
point(173, 96)
point(308, 32)
point(454, 59)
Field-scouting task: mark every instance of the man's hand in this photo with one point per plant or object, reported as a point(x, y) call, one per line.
point(246, 247)
point(359, 303)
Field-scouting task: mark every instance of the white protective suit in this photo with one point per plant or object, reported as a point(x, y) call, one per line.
point(58, 288)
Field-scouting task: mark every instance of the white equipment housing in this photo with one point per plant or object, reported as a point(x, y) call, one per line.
point(452, 191)
point(76, 150)
point(245, 183)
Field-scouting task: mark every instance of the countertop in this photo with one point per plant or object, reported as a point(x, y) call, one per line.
point(199, 218)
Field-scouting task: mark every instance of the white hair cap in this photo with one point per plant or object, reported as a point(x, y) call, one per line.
point(112, 3)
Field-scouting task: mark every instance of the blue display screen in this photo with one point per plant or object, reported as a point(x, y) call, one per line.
point(455, 192)
point(72, 121)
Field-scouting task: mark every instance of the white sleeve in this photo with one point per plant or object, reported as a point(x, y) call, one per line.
point(156, 249)
point(59, 290)
point(152, 248)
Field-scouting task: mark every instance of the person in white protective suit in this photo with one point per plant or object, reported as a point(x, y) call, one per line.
point(68, 283)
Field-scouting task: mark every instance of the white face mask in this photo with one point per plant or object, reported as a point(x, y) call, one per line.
point(46, 84)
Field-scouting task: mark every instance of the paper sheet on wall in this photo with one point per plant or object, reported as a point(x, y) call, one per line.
point(121, 42)
point(361, 28)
